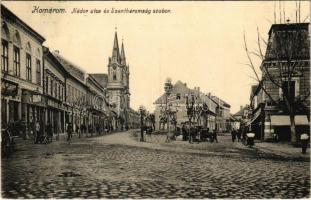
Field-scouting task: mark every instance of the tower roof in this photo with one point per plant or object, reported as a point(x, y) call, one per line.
point(123, 59)
point(115, 50)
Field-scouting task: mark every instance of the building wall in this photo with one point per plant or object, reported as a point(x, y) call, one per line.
point(26, 44)
point(24, 105)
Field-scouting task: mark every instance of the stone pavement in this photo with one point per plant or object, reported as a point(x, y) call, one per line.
point(117, 166)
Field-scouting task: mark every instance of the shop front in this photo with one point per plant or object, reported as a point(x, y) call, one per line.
point(281, 125)
point(33, 110)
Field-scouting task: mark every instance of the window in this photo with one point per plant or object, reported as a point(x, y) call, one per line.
point(178, 96)
point(38, 71)
point(55, 90)
point(16, 62)
point(28, 67)
point(47, 85)
point(114, 75)
point(62, 93)
point(4, 55)
point(51, 90)
point(291, 90)
point(59, 92)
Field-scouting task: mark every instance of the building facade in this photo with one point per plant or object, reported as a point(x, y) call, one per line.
point(176, 103)
point(22, 102)
point(284, 69)
point(223, 123)
point(54, 90)
point(40, 86)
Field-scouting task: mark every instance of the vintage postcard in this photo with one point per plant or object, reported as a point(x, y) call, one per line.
point(155, 99)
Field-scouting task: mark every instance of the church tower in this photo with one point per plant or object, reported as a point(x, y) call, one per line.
point(118, 81)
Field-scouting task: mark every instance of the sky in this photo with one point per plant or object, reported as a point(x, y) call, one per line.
point(200, 43)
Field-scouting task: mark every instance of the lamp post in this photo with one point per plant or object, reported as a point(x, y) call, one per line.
point(168, 90)
point(141, 109)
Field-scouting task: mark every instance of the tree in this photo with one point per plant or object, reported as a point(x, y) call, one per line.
point(284, 62)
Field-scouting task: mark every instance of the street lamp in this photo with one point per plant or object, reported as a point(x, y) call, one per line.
point(141, 109)
point(168, 90)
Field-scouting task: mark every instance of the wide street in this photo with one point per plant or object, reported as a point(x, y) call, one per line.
point(118, 166)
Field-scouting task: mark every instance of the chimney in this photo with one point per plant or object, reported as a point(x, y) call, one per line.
point(57, 51)
point(209, 94)
point(241, 107)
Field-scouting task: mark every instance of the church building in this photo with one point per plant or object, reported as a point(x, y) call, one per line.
point(118, 83)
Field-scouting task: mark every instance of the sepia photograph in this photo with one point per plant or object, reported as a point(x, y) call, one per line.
point(155, 99)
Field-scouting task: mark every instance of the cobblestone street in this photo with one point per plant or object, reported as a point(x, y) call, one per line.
point(117, 166)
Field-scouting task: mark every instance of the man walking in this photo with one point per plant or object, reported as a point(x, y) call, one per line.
point(69, 130)
point(215, 135)
point(233, 135)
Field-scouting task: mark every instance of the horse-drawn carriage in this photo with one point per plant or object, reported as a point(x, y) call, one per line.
point(195, 133)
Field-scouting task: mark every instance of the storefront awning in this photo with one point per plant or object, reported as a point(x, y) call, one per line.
point(283, 120)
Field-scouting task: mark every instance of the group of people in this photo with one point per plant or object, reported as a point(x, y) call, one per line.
point(236, 134)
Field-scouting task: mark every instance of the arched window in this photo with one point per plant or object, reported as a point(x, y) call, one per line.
point(17, 39)
point(5, 37)
point(38, 53)
point(28, 48)
point(16, 54)
point(28, 62)
point(114, 75)
point(38, 67)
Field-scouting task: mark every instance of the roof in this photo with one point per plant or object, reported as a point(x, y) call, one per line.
point(240, 112)
point(178, 88)
point(49, 54)
point(102, 79)
point(220, 101)
point(71, 68)
point(9, 14)
point(182, 89)
point(254, 90)
point(289, 26)
point(288, 41)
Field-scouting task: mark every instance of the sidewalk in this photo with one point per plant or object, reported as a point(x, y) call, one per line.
point(281, 149)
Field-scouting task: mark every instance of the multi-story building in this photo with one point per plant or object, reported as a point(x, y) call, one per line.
point(21, 72)
point(176, 103)
point(54, 89)
point(97, 105)
point(222, 115)
point(42, 86)
point(288, 65)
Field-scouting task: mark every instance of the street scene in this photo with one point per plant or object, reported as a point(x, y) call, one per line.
point(151, 101)
point(118, 166)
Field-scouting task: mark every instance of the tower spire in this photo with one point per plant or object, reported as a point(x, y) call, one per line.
point(115, 50)
point(123, 59)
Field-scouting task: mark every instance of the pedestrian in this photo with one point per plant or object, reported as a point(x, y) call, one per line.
point(304, 138)
point(233, 135)
point(78, 130)
point(215, 135)
point(69, 130)
point(239, 132)
point(38, 133)
point(49, 131)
